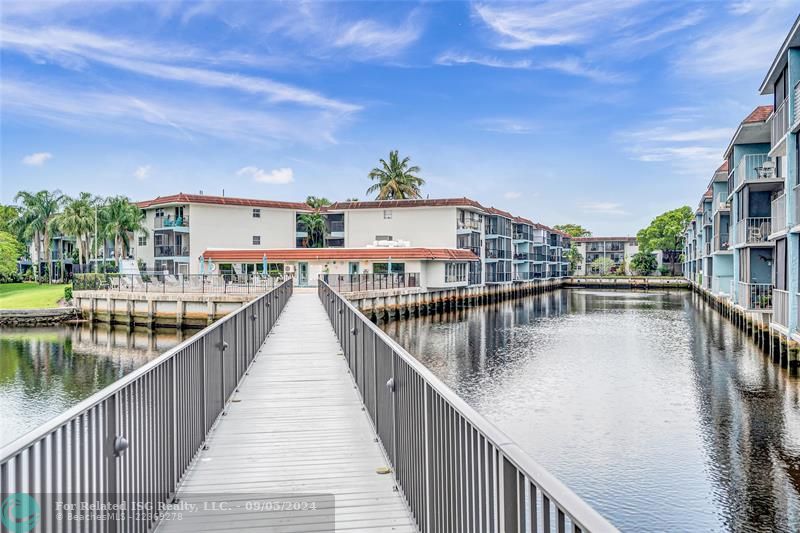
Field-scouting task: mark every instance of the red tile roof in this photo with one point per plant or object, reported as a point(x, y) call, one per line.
point(306, 254)
point(709, 193)
point(221, 200)
point(759, 114)
point(600, 239)
point(723, 167)
point(495, 211)
point(389, 204)
point(523, 220)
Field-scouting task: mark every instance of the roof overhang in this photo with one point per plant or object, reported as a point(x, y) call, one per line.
point(792, 41)
point(334, 254)
point(750, 133)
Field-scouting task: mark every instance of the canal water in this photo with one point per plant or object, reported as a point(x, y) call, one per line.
point(44, 371)
point(650, 406)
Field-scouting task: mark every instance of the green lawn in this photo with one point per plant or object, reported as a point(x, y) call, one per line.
point(30, 295)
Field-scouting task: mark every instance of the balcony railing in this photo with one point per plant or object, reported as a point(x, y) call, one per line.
point(780, 121)
point(721, 242)
point(796, 95)
point(779, 213)
point(780, 307)
point(468, 224)
point(721, 285)
point(755, 296)
point(750, 168)
point(171, 250)
point(721, 202)
point(169, 222)
point(523, 276)
point(498, 277)
point(146, 429)
point(708, 218)
point(523, 256)
point(522, 236)
point(753, 230)
point(498, 254)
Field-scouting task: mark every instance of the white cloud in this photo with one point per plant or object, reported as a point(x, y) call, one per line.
point(525, 26)
point(506, 125)
point(142, 172)
point(37, 159)
point(512, 195)
point(747, 43)
point(73, 49)
point(602, 208)
point(568, 65)
point(374, 39)
point(66, 106)
point(279, 176)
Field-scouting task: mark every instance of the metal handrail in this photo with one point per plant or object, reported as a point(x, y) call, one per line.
point(137, 437)
point(455, 468)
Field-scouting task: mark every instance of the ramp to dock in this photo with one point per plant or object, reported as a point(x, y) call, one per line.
point(295, 427)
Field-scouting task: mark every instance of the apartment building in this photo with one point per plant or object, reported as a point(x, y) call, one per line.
point(450, 241)
point(617, 250)
point(744, 242)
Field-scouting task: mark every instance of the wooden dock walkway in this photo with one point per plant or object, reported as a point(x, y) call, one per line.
point(296, 426)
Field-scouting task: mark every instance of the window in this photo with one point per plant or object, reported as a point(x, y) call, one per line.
point(383, 268)
point(256, 213)
point(143, 240)
point(256, 240)
point(159, 212)
point(387, 214)
point(159, 238)
point(383, 237)
point(779, 265)
point(455, 272)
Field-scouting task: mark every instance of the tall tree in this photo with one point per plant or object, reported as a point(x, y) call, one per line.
point(8, 216)
point(395, 179)
point(10, 250)
point(39, 211)
point(78, 220)
point(573, 256)
point(665, 233)
point(317, 203)
point(574, 230)
point(121, 219)
point(314, 223)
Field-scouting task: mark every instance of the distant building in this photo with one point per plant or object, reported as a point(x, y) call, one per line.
point(619, 250)
point(461, 237)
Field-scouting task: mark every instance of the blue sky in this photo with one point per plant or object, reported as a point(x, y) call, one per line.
point(603, 113)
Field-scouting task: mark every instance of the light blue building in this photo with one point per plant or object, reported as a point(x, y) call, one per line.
point(744, 241)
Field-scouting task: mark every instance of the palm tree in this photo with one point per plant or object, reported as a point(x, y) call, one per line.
point(121, 219)
point(77, 220)
point(39, 211)
point(314, 222)
point(395, 179)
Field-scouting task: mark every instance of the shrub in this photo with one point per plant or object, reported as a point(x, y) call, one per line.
point(68, 293)
point(664, 270)
point(10, 277)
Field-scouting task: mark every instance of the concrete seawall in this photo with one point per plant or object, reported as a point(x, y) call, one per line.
point(635, 283)
point(776, 344)
point(157, 310)
point(37, 317)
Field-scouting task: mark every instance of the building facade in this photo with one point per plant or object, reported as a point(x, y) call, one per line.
point(492, 246)
point(744, 241)
point(605, 255)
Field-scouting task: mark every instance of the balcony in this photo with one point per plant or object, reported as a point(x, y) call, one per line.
point(721, 285)
point(779, 213)
point(780, 307)
point(752, 168)
point(779, 122)
point(755, 296)
point(721, 202)
point(753, 230)
point(595, 247)
point(170, 223)
point(170, 250)
point(721, 242)
point(522, 236)
point(523, 256)
point(708, 248)
point(498, 277)
point(498, 254)
point(468, 225)
point(523, 276)
point(708, 218)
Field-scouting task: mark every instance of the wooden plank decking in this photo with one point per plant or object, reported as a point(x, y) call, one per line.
point(296, 426)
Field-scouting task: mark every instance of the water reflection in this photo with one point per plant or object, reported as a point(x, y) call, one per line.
point(651, 406)
point(44, 371)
